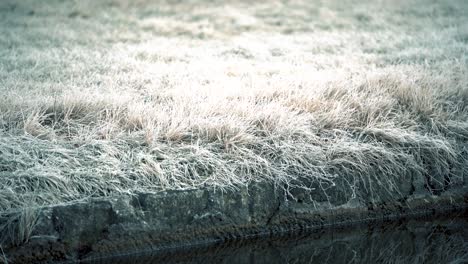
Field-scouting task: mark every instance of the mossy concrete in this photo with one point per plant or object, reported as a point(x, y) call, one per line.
point(171, 219)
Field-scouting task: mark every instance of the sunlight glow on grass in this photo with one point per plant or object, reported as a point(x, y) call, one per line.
point(115, 97)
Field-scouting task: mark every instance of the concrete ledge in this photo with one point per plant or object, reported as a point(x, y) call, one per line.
point(105, 227)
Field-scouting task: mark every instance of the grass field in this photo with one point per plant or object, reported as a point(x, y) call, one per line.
point(102, 98)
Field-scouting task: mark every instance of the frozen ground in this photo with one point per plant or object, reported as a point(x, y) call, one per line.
point(102, 98)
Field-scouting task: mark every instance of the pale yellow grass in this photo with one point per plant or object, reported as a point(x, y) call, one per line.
point(102, 98)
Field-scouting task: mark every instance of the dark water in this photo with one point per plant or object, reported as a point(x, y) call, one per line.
point(442, 240)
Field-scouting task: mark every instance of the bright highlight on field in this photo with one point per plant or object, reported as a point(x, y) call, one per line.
point(100, 98)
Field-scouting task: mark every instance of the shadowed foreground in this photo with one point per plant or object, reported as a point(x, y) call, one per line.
point(436, 241)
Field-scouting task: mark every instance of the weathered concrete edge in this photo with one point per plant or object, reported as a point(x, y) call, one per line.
point(102, 228)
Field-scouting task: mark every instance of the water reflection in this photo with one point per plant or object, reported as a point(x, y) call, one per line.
point(435, 241)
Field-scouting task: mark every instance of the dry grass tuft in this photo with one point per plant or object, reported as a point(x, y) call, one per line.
point(129, 96)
